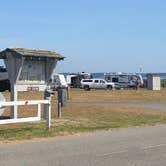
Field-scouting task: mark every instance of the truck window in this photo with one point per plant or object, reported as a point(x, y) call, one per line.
point(96, 81)
point(101, 81)
point(87, 80)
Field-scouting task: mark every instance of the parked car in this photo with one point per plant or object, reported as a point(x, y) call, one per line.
point(88, 84)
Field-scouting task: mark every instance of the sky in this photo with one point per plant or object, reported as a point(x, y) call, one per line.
point(93, 35)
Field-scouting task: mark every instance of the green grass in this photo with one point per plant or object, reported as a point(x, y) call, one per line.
point(78, 119)
point(141, 95)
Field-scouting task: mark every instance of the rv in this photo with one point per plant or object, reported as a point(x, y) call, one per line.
point(124, 80)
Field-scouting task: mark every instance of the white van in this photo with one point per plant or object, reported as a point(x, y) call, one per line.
point(88, 84)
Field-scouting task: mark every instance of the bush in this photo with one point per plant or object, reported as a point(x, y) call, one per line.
point(163, 83)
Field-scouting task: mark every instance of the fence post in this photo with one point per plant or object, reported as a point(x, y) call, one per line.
point(68, 92)
point(14, 97)
point(48, 116)
point(39, 111)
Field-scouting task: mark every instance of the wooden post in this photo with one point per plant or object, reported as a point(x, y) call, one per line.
point(59, 110)
point(14, 67)
point(68, 92)
point(48, 117)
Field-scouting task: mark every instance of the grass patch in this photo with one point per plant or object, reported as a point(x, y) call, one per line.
point(85, 118)
point(142, 95)
point(78, 119)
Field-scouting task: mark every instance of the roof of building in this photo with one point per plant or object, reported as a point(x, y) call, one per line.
point(31, 53)
point(153, 74)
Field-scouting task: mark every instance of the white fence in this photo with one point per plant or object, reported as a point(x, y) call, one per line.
point(29, 119)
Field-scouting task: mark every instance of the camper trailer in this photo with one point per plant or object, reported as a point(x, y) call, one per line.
point(74, 80)
point(124, 80)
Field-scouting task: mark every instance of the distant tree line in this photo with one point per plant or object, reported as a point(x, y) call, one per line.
point(163, 83)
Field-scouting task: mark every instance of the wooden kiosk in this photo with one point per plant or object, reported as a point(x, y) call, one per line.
point(28, 70)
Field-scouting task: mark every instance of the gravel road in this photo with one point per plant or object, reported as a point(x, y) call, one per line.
point(138, 146)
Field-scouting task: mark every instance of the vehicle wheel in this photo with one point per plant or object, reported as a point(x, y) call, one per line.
point(109, 87)
point(86, 87)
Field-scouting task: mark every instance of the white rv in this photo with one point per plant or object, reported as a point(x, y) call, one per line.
point(124, 80)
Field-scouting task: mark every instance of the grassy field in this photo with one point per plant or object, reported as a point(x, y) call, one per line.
point(83, 118)
point(118, 95)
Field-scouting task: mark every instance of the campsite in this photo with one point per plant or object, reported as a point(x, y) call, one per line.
point(83, 83)
point(40, 103)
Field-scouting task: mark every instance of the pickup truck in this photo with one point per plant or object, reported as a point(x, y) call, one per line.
point(88, 84)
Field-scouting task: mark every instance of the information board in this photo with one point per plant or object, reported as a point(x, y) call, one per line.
point(33, 72)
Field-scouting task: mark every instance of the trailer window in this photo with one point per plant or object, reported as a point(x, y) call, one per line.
point(3, 70)
point(115, 79)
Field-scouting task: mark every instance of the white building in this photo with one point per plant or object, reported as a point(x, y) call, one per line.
point(153, 82)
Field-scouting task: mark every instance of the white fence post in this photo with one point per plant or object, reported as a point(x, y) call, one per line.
point(39, 110)
point(14, 96)
point(48, 116)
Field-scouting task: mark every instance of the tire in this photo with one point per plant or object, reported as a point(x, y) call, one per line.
point(86, 87)
point(109, 87)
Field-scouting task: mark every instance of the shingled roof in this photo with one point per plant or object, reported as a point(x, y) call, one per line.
point(31, 52)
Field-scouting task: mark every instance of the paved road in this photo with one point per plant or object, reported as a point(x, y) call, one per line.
point(142, 146)
point(151, 105)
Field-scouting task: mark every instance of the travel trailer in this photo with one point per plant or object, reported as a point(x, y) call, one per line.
point(124, 80)
point(74, 80)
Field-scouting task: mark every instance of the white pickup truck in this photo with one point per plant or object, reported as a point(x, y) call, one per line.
point(88, 84)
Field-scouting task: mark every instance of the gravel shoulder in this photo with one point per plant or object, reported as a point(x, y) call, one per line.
point(152, 105)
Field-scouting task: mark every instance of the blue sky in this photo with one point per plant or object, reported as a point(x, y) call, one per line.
point(93, 35)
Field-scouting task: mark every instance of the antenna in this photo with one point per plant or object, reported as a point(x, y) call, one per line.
point(140, 68)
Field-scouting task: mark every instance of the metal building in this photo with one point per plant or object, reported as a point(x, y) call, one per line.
point(153, 82)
